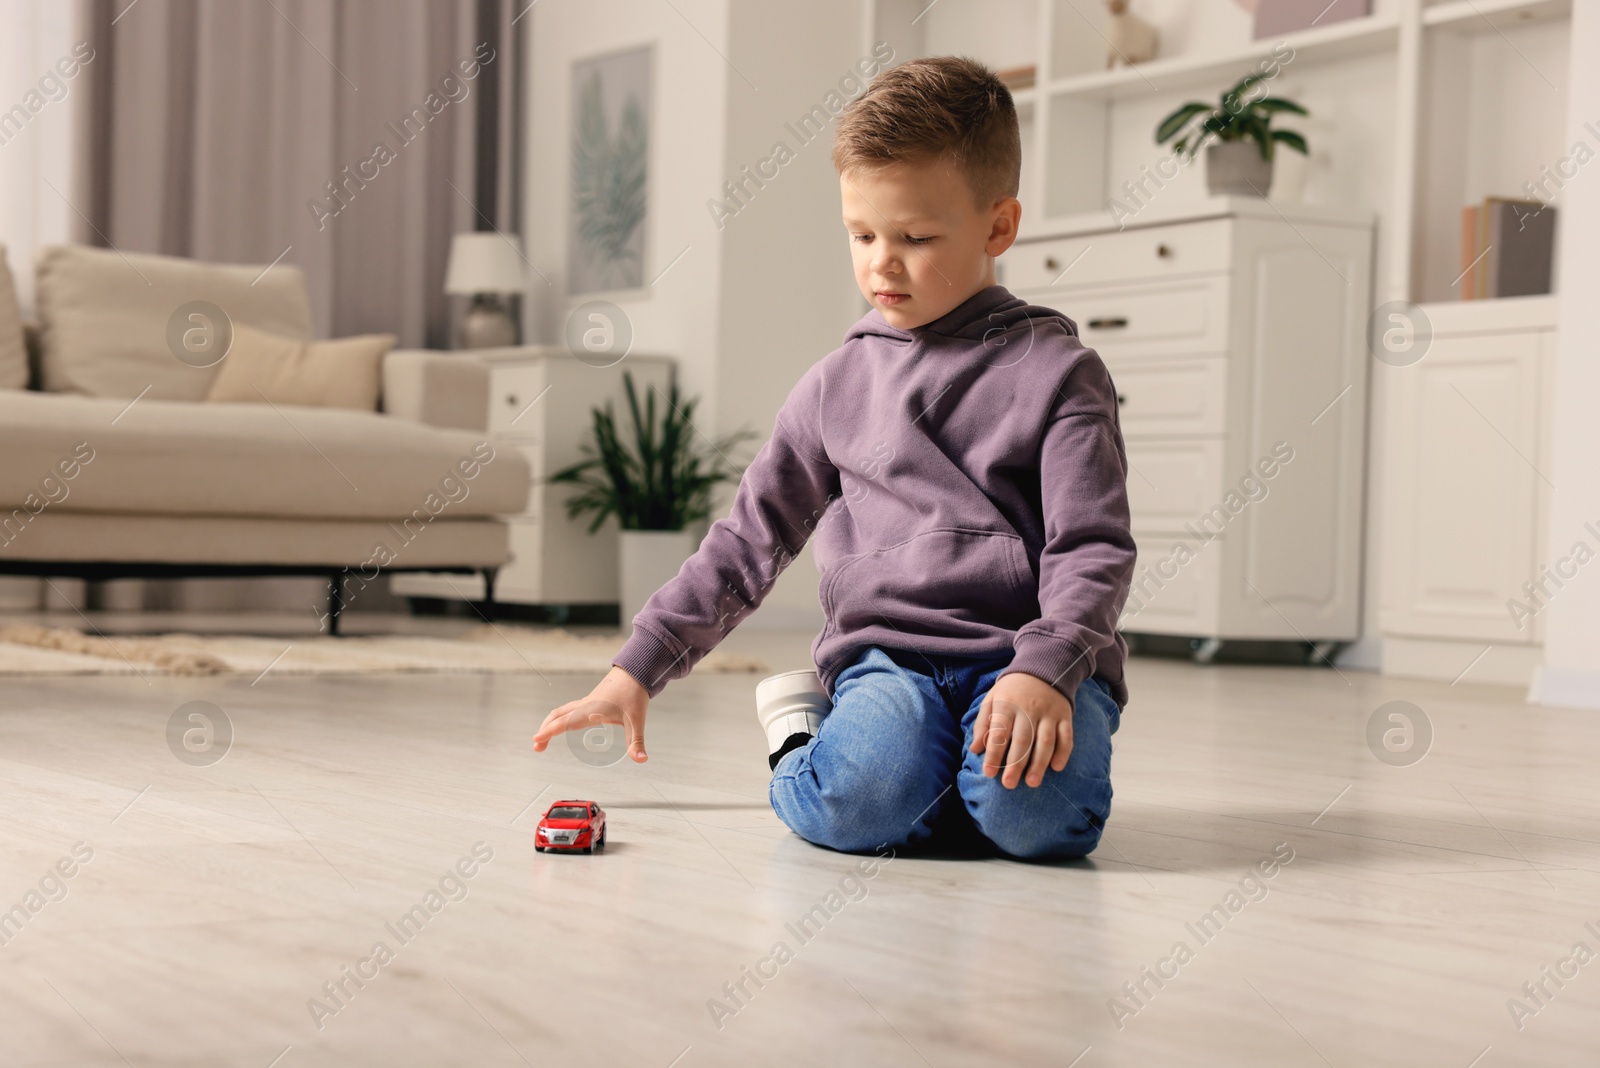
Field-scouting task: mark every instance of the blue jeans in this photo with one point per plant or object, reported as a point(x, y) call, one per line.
point(892, 766)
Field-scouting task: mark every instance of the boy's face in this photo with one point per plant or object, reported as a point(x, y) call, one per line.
point(919, 243)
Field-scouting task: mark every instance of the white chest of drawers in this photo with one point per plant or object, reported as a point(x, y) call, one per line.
point(541, 401)
point(1236, 336)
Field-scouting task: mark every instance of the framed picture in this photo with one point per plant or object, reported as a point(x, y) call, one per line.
point(610, 171)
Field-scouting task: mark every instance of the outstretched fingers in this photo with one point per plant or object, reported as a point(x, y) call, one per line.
point(554, 724)
point(591, 712)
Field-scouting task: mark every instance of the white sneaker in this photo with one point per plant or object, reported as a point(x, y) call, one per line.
point(790, 704)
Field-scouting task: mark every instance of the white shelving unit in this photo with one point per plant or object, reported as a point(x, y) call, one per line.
point(1483, 113)
point(1496, 14)
point(1489, 110)
point(1417, 110)
point(1342, 40)
point(1461, 96)
point(1470, 424)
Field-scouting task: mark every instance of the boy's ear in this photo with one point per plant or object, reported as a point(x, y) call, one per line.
point(1003, 227)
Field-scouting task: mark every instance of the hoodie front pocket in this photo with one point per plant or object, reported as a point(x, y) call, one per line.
point(949, 582)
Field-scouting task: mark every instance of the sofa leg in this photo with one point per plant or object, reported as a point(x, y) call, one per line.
point(335, 601)
point(489, 574)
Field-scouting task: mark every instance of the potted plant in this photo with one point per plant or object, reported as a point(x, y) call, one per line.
point(656, 478)
point(1239, 156)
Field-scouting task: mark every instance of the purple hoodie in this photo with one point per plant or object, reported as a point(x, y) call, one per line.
point(965, 482)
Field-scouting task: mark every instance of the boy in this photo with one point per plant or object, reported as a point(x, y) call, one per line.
point(975, 567)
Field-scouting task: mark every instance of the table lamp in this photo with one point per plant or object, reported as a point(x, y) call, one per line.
point(485, 266)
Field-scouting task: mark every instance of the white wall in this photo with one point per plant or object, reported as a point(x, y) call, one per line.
point(788, 295)
point(678, 315)
point(33, 36)
point(758, 299)
point(1571, 673)
point(997, 30)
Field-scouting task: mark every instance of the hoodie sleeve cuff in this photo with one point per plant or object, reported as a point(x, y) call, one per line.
point(650, 658)
point(1060, 663)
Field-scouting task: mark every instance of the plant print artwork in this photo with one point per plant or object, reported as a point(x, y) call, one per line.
point(610, 172)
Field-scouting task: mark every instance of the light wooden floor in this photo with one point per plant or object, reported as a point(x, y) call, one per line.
point(220, 899)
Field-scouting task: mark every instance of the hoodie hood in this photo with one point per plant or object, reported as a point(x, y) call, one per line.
point(989, 312)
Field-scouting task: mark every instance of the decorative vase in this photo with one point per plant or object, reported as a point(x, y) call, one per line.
point(488, 324)
point(649, 560)
point(1235, 168)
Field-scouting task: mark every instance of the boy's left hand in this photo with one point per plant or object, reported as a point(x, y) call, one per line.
point(1026, 724)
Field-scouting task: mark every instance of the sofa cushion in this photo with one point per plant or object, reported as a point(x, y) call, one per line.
point(13, 350)
point(180, 458)
point(264, 368)
point(105, 318)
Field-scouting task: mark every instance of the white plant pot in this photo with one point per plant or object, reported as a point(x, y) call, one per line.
point(1235, 168)
point(649, 560)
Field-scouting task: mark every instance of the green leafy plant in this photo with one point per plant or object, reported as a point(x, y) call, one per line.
point(662, 478)
point(608, 182)
point(1234, 119)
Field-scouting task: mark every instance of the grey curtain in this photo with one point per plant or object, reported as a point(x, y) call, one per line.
point(239, 131)
point(350, 137)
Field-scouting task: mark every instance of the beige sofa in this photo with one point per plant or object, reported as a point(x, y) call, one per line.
point(115, 465)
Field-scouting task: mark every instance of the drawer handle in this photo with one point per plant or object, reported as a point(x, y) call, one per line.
point(1122, 398)
point(1115, 323)
point(1051, 263)
point(1164, 252)
point(511, 399)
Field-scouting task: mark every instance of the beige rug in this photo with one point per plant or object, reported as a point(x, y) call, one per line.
point(487, 650)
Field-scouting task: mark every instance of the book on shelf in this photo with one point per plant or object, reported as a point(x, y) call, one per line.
point(1470, 253)
point(1022, 77)
point(1274, 18)
point(1507, 248)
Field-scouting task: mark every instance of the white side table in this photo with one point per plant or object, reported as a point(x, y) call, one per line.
point(541, 400)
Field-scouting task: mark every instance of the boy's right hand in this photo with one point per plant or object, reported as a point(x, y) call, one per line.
point(618, 699)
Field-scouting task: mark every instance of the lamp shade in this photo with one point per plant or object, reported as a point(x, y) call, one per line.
point(486, 262)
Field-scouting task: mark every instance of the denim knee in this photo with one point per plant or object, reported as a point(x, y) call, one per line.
point(880, 765)
point(1041, 840)
point(857, 807)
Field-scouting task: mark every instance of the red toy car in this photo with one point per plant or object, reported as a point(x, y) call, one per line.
point(576, 825)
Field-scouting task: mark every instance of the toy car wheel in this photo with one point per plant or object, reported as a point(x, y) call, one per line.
point(538, 849)
point(601, 844)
